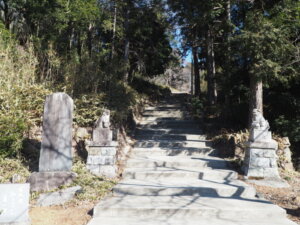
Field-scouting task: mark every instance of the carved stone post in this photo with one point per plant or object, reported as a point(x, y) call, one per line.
point(102, 149)
point(260, 159)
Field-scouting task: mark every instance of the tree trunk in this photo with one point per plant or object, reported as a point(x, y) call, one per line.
point(228, 10)
point(79, 47)
point(127, 44)
point(192, 77)
point(196, 71)
point(89, 39)
point(211, 69)
point(256, 97)
point(114, 31)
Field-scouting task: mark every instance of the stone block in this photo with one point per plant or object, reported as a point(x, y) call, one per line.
point(104, 151)
point(100, 160)
point(270, 154)
point(102, 135)
point(260, 135)
point(262, 145)
point(259, 162)
point(109, 171)
point(14, 204)
point(94, 169)
point(47, 181)
point(58, 197)
point(254, 172)
point(56, 150)
point(256, 153)
point(271, 173)
point(273, 163)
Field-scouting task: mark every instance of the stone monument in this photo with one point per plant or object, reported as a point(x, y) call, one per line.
point(260, 158)
point(102, 149)
point(56, 151)
point(14, 204)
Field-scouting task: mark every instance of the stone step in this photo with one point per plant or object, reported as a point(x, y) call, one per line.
point(178, 187)
point(172, 144)
point(188, 207)
point(177, 123)
point(166, 107)
point(146, 125)
point(183, 174)
point(199, 221)
point(180, 131)
point(161, 118)
point(176, 162)
point(175, 137)
point(173, 152)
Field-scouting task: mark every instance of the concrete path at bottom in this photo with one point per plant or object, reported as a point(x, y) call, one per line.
point(175, 178)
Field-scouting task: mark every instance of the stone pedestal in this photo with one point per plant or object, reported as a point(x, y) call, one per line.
point(101, 159)
point(261, 160)
point(47, 181)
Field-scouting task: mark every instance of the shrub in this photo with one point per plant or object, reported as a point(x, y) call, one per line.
point(88, 108)
point(12, 128)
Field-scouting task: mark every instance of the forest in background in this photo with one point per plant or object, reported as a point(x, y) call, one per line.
point(101, 53)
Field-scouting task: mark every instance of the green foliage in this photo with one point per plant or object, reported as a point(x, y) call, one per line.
point(94, 188)
point(12, 128)
point(197, 107)
point(88, 109)
point(149, 89)
point(121, 100)
point(21, 100)
point(288, 127)
point(11, 167)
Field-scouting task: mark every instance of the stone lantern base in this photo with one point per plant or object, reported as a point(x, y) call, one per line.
point(261, 159)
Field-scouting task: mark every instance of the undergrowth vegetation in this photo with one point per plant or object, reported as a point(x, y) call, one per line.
point(93, 187)
point(22, 96)
point(21, 99)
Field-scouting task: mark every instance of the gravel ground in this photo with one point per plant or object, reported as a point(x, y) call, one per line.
point(287, 198)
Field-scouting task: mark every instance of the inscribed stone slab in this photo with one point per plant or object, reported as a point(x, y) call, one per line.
point(14, 203)
point(56, 151)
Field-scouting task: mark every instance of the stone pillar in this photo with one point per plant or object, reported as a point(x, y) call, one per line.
point(56, 150)
point(102, 149)
point(260, 158)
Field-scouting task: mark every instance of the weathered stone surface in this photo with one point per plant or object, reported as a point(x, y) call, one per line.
point(101, 132)
point(261, 163)
point(265, 153)
point(102, 149)
point(272, 144)
point(92, 144)
point(100, 160)
point(56, 151)
point(105, 151)
point(109, 171)
point(14, 204)
point(102, 136)
point(47, 181)
point(260, 158)
point(104, 120)
point(260, 135)
point(58, 197)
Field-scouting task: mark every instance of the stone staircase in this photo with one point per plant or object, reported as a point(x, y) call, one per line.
point(175, 178)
